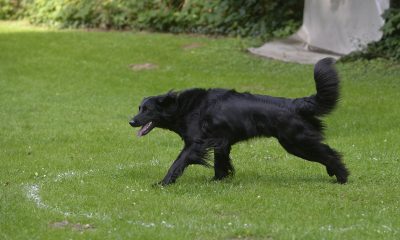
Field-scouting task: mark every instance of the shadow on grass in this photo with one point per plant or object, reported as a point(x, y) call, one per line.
point(243, 179)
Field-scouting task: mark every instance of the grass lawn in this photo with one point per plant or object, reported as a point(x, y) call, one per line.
point(72, 168)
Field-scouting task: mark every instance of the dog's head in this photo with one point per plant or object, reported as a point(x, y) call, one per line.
point(154, 112)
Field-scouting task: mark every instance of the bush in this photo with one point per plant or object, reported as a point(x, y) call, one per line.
point(237, 18)
point(6, 9)
point(11, 9)
point(265, 18)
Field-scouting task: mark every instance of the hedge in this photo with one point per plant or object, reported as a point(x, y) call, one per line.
point(264, 18)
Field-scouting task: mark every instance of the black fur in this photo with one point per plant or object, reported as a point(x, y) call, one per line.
point(215, 119)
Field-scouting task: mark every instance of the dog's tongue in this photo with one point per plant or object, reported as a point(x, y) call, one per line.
point(145, 129)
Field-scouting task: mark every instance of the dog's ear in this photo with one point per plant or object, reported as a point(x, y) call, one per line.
point(167, 99)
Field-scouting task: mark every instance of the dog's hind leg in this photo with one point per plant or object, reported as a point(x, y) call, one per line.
point(316, 151)
point(222, 162)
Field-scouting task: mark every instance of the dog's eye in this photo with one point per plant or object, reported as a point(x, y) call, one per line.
point(144, 109)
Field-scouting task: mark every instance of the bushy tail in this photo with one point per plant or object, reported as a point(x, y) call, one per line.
point(327, 85)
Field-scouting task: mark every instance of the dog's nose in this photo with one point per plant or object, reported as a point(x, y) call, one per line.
point(133, 123)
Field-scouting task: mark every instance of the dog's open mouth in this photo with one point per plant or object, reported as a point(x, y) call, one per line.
point(145, 129)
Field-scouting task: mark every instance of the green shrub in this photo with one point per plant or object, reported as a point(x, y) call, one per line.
point(265, 18)
point(6, 9)
point(11, 9)
point(63, 13)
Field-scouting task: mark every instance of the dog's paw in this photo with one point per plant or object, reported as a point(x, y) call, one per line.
point(341, 179)
point(219, 178)
point(330, 171)
point(215, 178)
point(163, 183)
point(221, 175)
point(341, 174)
point(222, 178)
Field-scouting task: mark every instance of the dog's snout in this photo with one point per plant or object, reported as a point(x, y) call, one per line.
point(134, 123)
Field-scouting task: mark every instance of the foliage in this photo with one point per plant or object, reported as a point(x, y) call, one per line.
point(238, 18)
point(117, 14)
point(6, 9)
point(264, 18)
point(12, 9)
point(389, 46)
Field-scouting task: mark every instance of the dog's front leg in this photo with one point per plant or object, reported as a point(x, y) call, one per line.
point(222, 162)
point(188, 155)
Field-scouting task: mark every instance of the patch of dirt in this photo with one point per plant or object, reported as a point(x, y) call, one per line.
point(192, 46)
point(143, 66)
point(81, 227)
point(62, 224)
point(74, 226)
point(251, 238)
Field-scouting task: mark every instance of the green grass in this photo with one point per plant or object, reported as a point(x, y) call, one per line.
point(68, 153)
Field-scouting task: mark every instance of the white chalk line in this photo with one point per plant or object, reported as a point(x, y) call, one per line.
point(33, 194)
point(379, 229)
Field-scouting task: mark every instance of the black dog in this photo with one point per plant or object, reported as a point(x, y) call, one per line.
point(215, 119)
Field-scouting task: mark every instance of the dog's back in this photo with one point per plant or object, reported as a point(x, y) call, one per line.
point(240, 116)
